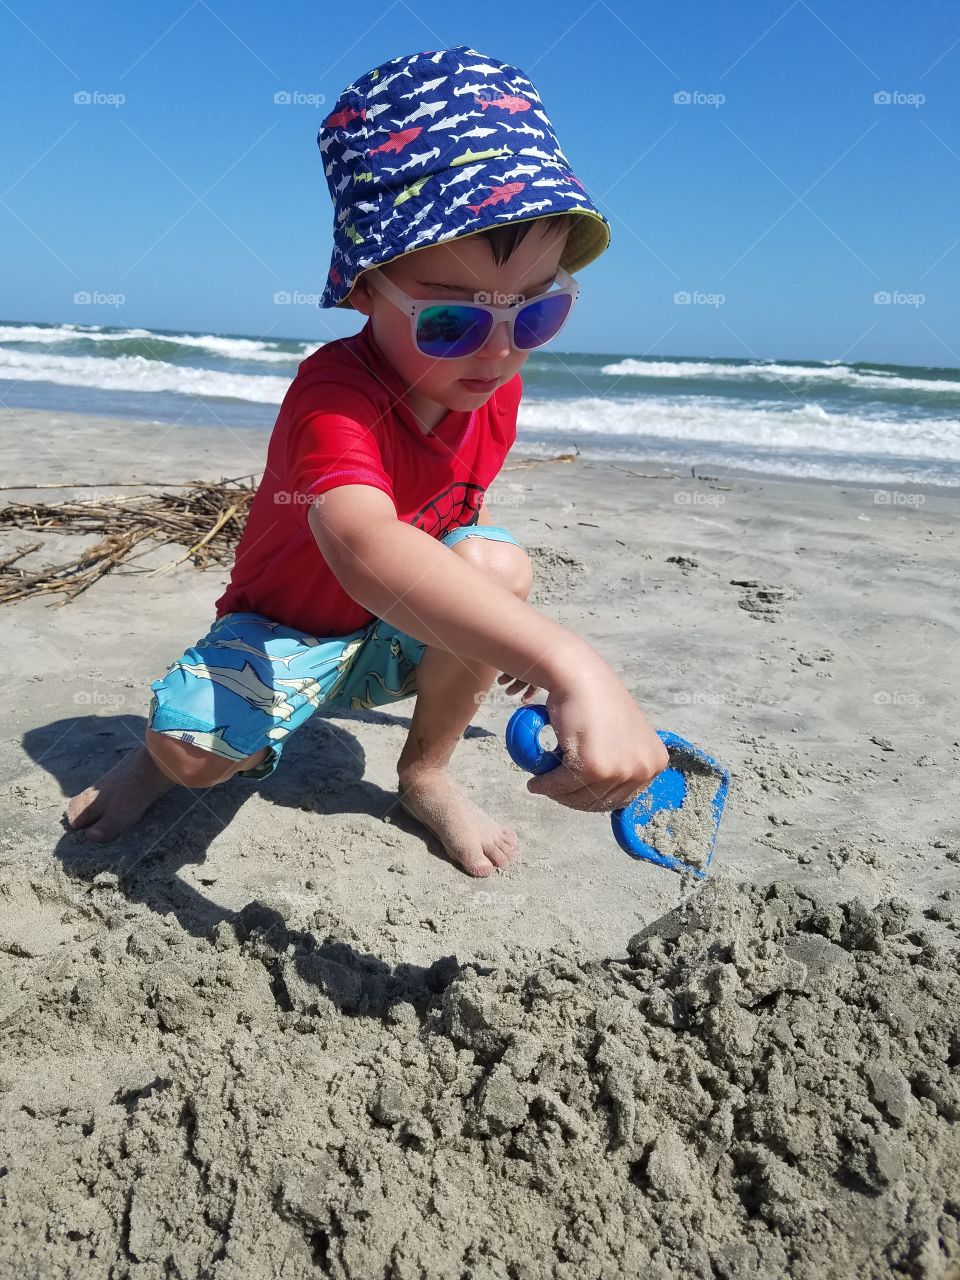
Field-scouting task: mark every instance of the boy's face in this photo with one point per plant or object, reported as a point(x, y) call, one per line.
point(436, 385)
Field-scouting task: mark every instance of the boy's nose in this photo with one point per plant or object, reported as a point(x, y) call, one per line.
point(498, 344)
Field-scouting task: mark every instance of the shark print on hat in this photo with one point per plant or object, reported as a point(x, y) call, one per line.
point(434, 146)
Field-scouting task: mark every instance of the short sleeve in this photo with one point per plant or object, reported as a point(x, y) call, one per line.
point(333, 441)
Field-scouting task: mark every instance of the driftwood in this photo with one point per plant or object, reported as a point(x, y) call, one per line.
point(536, 462)
point(205, 517)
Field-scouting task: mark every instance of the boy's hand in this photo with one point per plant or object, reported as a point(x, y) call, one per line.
point(610, 751)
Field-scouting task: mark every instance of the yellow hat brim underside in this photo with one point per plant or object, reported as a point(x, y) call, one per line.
point(587, 239)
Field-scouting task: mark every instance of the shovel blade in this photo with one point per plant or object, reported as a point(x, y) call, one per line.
point(674, 822)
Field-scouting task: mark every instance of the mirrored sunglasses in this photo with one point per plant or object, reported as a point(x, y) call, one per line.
point(447, 329)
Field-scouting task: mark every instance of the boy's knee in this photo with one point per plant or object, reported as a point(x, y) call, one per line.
point(505, 561)
point(190, 765)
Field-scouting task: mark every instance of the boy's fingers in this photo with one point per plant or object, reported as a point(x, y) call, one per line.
point(568, 788)
point(583, 799)
point(517, 686)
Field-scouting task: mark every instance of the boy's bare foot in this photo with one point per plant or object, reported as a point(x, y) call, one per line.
point(118, 799)
point(473, 839)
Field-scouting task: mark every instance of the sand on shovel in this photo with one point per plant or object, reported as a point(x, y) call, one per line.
point(686, 833)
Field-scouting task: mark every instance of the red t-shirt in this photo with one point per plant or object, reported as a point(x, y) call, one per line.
point(342, 421)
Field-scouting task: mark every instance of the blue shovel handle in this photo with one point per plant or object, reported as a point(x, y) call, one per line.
point(667, 791)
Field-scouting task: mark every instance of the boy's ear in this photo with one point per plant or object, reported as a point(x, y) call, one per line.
point(362, 297)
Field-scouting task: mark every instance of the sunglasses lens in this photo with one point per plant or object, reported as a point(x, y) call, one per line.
point(447, 332)
point(541, 321)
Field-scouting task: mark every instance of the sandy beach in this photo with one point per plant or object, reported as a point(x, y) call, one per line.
point(274, 1032)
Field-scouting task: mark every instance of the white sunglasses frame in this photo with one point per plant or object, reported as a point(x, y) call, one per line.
point(414, 306)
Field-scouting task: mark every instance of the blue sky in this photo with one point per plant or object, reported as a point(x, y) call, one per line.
point(783, 198)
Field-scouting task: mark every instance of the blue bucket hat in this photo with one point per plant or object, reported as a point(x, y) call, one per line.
point(433, 147)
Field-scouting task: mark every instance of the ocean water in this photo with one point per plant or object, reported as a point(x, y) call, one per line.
point(878, 424)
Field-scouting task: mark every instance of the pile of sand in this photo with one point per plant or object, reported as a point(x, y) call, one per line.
point(763, 1086)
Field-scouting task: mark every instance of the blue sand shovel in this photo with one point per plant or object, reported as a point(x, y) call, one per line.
point(668, 791)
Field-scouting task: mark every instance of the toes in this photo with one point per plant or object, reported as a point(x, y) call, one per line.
point(87, 815)
point(503, 849)
point(478, 865)
point(82, 810)
point(99, 834)
point(509, 844)
point(498, 856)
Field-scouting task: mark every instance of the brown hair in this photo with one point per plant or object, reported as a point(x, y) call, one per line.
point(504, 239)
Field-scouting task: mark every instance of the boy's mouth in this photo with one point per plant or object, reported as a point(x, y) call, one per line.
point(480, 384)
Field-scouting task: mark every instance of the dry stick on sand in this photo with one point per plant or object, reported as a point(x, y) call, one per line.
point(105, 484)
point(21, 551)
point(208, 518)
point(227, 515)
point(536, 462)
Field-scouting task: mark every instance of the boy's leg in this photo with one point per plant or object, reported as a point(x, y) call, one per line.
point(248, 680)
point(447, 694)
point(120, 798)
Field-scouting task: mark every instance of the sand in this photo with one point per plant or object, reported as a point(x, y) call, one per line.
point(273, 1032)
point(761, 1084)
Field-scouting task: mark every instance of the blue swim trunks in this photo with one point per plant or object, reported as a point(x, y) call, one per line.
point(250, 682)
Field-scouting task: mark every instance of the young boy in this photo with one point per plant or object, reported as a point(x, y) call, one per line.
point(368, 570)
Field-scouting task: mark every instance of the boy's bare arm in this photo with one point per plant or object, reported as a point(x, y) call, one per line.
point(402, 574)
point(407, 577)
